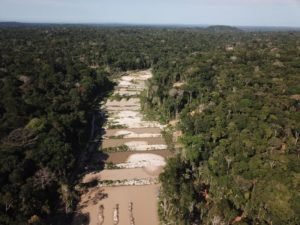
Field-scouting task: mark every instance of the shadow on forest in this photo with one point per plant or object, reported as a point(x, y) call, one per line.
point(94, 197)
point(93, 160)
point(81, 219)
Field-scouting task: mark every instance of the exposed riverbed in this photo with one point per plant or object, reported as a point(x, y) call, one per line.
point(127, 190)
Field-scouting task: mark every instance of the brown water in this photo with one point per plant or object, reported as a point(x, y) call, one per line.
point(138, 203)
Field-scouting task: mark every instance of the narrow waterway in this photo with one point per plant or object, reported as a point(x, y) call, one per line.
point(128, 187)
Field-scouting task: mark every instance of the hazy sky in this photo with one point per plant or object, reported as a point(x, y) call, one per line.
point(227, 12)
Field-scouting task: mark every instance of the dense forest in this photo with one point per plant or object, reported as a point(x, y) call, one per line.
point(237, 103)
point(49, 92)
point(235, 94)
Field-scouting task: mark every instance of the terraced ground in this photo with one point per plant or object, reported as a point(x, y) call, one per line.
point(128, 188)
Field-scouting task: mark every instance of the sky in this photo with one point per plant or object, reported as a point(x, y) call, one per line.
point(193, 12)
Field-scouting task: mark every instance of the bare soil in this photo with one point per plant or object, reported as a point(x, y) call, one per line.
point(143, 199)
point(120, 204)
point(133, 132)
point(111, 143)
point(119, 174)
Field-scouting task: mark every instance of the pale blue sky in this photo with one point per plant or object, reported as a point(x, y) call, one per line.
point(227, 12)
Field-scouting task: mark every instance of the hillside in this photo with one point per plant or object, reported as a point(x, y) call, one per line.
point(219, 28)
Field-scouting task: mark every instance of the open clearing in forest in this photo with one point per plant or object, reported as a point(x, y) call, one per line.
point(135, 152)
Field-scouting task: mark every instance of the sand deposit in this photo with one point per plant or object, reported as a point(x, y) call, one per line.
point(120, 157)
point(142, 198)
point(127, 194)
point(149, 161)
point(131, 119)
point(132, 134)
point(118, 174)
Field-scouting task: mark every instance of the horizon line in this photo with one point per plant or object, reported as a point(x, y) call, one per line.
point(144, 24)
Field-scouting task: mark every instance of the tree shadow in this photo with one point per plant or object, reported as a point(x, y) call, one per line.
point(91, 160)
point(94, 197)
point(81, 219)
point(94, 158)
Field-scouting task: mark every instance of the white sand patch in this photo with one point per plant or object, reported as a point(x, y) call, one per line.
point(132, 119)
point(154, 130)
point(121, 157)
point(178, 84)
point(127, 78)
point(118, 108)
point(129, 134)
point(135, 88)
point(142, 75)
point(123, 102)
point(136, 143)
point(124, 83)
point(151, 161)
point(149, 147)
point(126, 92)
point(132, 104)
point(133, 133)
point(154, 169)
point(145, 77)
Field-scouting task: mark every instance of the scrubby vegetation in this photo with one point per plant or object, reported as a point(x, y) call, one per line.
point(236, 95)
point(121, 148)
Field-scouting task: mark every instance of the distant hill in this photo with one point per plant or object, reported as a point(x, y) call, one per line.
point(209, 28)
point(22, 25)
point(269, 29)
point(221, 28)
point(10, 24)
